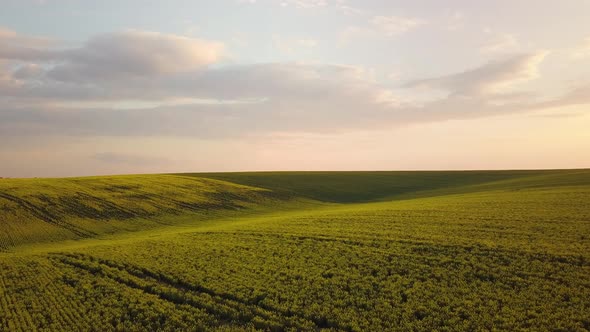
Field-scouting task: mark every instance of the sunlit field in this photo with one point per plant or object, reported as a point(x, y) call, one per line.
point(333, 251)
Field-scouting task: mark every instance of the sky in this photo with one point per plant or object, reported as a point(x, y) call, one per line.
point(130, 86)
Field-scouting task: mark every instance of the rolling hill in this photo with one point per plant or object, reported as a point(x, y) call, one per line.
point(333, 251)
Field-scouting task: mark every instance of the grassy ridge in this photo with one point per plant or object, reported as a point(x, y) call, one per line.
point(509, 252)
point(38, 210)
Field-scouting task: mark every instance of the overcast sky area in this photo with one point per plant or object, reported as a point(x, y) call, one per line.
point(143, 86)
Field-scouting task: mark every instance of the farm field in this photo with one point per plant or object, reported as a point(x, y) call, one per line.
point(297, 251)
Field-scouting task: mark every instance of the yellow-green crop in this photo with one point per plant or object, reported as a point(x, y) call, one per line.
point(350, 251)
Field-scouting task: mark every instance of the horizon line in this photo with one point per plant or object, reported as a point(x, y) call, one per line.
point(309, 171)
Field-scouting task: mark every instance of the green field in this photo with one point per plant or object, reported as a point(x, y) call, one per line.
point(333, 251)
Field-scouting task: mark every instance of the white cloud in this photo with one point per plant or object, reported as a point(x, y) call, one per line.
point(582, 51)
point(305, 3)
point(500, 43)
point(352, 32)
point(489, 78)
point(339, 5)
point(292, 45)
point(395, 25)
point(379, 26)
point(454, 20)
point(307, 42)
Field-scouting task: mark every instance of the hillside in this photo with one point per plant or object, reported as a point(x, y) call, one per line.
point(351, 187)
point(36, 210)
point(353, 251)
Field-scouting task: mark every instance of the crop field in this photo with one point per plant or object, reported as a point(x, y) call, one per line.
point(297, 251)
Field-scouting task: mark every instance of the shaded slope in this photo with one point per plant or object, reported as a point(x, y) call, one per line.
point(350, 187)
point(37, 210)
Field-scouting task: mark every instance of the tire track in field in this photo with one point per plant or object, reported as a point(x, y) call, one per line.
point(245, 311)
point(419, 248)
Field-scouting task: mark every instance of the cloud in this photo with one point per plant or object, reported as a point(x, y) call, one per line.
point(135, 53)
point(286, 98)
point(279, 81)
point(501, 43)
point(487, 79)
point(395, 25)
point(102, 68)
point(577, 95)
point(28, 71)
point(223, 102)
point(352, 32)
point(16, 46)
point(5, 75)
point(380, 26)
point(247, 120)
point(145, 84)
point(582, 51)
point(341, 6)
point(128, 53)
point(289, 46)
point(454, 20)
point(305, 3)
